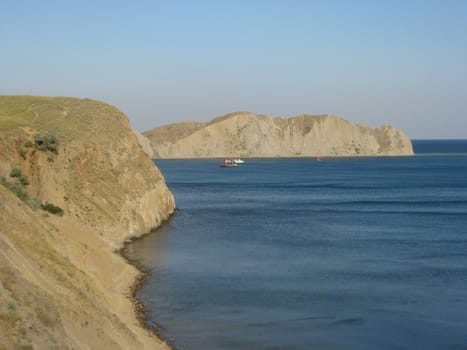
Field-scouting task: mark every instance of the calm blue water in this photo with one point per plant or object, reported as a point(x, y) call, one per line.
point(440, 147)
point(366, 253)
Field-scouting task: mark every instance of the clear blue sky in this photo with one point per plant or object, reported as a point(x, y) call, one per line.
point(376, 62)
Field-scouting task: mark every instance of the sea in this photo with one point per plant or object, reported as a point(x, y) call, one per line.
point(343, 253)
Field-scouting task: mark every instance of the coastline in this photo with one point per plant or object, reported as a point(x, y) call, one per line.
point(197, 274)
point(108, 189)
point(139, 281)
point(287, 157)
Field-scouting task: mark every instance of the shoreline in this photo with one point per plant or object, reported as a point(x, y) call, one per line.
point(292, 157)
point(139, 281)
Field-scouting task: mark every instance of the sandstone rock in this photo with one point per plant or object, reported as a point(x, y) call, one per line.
point(244, 134)
point(144, 143)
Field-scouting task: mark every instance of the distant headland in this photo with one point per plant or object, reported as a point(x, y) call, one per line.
point(244, 134)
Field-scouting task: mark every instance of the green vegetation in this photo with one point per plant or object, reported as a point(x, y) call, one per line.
point(48, 124)
point(33, 202)
point(16, 172)
point(10, 317)
point(47, 141)
point(23, 180)
point(18, 187)
point(53, 209)
point(22, 152)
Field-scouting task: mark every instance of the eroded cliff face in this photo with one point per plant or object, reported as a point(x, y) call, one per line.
point(62, 285)
point(245, 134)
point(144, 143)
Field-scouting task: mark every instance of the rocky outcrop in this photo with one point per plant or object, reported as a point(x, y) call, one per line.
point(62, 285)
point(245, 134)
point(144, 143)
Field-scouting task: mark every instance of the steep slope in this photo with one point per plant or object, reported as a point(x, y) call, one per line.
point(245, 134)
point(62, 286)
point(174, 132)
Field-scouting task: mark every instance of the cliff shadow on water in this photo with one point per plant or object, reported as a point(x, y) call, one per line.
point(145, 271)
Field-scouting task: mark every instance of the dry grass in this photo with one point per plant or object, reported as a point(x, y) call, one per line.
point(62, 286)
point(68, 117)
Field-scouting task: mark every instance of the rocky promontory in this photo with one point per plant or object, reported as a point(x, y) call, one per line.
point(244, 134)
point(75, 184)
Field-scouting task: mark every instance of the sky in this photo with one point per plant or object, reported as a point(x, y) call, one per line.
point(402, 63)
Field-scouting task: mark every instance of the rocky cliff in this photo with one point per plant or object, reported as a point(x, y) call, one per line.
point(144, 143)
point(75, 185)
point(245, 134)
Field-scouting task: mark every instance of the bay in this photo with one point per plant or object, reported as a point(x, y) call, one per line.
point(345, 253)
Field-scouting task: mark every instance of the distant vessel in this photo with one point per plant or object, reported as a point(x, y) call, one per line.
point(239, 161)
point(319, 158)
point(228, 163)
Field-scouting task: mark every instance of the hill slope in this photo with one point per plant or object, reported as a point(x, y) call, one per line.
point(244, 134)
point(62, 286)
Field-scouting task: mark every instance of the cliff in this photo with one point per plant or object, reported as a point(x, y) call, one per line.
point(62, 284)
point(245, 134)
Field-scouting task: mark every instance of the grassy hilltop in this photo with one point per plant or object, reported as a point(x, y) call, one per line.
point(74, 185)
point(67, 116)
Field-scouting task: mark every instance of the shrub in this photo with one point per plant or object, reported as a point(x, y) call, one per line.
point(16, 172)
point(23, 180)
point(11, 306)
point(33, 202)
point(10, 317)
point(18, 189)
point(53, 209)
point(22, 152)
point(28, 144)
point(46, 142)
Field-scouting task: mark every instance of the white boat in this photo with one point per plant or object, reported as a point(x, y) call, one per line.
point(239, 161)
point(228, 163)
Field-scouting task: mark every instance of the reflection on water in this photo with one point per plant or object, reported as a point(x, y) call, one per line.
point(151, 249)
